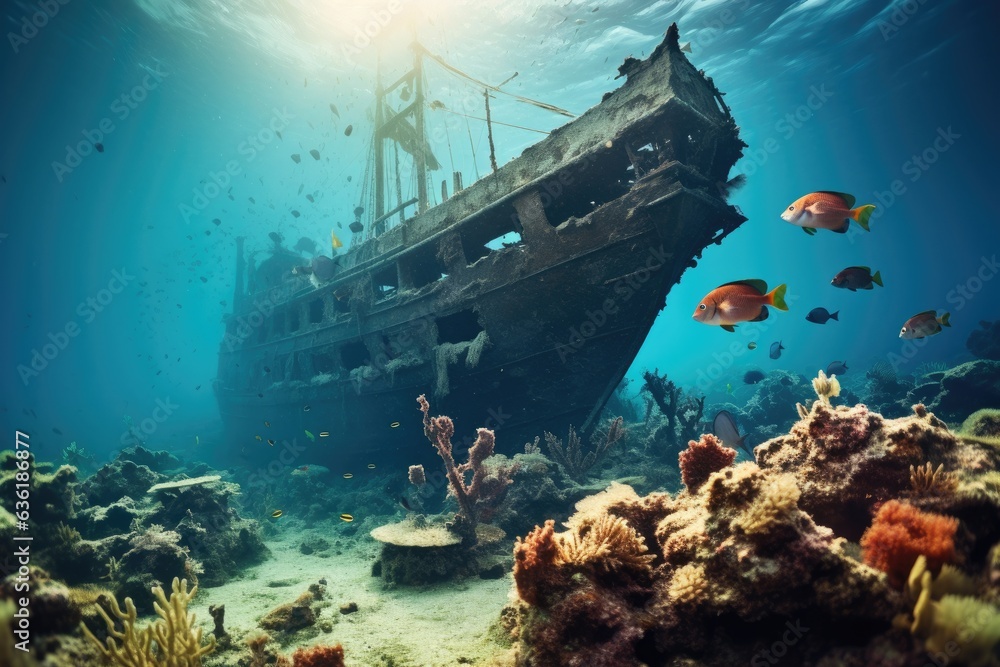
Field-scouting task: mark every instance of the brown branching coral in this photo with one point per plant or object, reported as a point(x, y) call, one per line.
point(571, 457)
point(478, 499)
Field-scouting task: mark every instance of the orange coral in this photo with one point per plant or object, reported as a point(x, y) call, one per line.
point(319, 656)
point(535, 563)
point(900, 533)
point(702, 458)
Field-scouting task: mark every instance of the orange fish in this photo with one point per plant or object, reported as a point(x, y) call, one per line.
point(739, 301)
point(827, 210)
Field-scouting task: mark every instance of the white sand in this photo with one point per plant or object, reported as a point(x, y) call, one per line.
point(447, 624)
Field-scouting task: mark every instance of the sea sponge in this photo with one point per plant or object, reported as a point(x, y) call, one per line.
point(777, 500)
point(319, 656)
point(688, 584)
point(702, 458)
point(901, 533)
point(536, 574)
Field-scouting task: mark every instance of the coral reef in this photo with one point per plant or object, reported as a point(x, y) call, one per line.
point(901, 533)
point(885, 390)
point(955, 626)
point(172, 641)
point(479, 498)
point(769, 412)
point(761, 552)
point(79, 458)
point(571, 457)
point(984, 424)
point(851, 459)
point(964, 389)
point(680, 414)
point(984, 342)
point(702, 458)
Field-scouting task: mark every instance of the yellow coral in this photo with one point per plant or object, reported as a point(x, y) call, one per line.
point(177, 642)
point(949, 620)
point(778, 498)
point(826, 387)
point(608, 543)
point(688, 584)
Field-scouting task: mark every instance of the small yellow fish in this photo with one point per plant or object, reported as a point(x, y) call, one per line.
point(324, 434)
point(310, 436)
point(371, 466)
point(197, 441)
point(729, 388)
point(348, 475)
point(259, 439)
point(346, 517)
point(394, 425)
point(334, 241)
point(276, 513)
point(751, 345)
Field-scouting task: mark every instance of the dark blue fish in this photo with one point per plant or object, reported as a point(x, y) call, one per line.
point(776, 349)
point(822, 316)
point(836, 368)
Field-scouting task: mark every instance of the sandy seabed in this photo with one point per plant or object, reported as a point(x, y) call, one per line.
point(445, 624)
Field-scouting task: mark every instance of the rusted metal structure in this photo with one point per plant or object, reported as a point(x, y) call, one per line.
point(606, 213)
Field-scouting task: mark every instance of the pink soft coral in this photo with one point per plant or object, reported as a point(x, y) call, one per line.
point(900, 533)
point(702, 458)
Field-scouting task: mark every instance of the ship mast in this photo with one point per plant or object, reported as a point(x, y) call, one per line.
point(418, 117)
point(378, 139)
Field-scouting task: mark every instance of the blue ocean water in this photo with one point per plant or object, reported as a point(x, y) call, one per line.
point(891, 102)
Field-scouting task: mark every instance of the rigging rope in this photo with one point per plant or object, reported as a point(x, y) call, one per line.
point(495, 122)
point(483, 84)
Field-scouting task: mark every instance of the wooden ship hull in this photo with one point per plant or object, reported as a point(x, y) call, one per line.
point(526, 337)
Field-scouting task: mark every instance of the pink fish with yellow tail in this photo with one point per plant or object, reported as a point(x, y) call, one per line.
point(827, 210)
point(739, 301)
